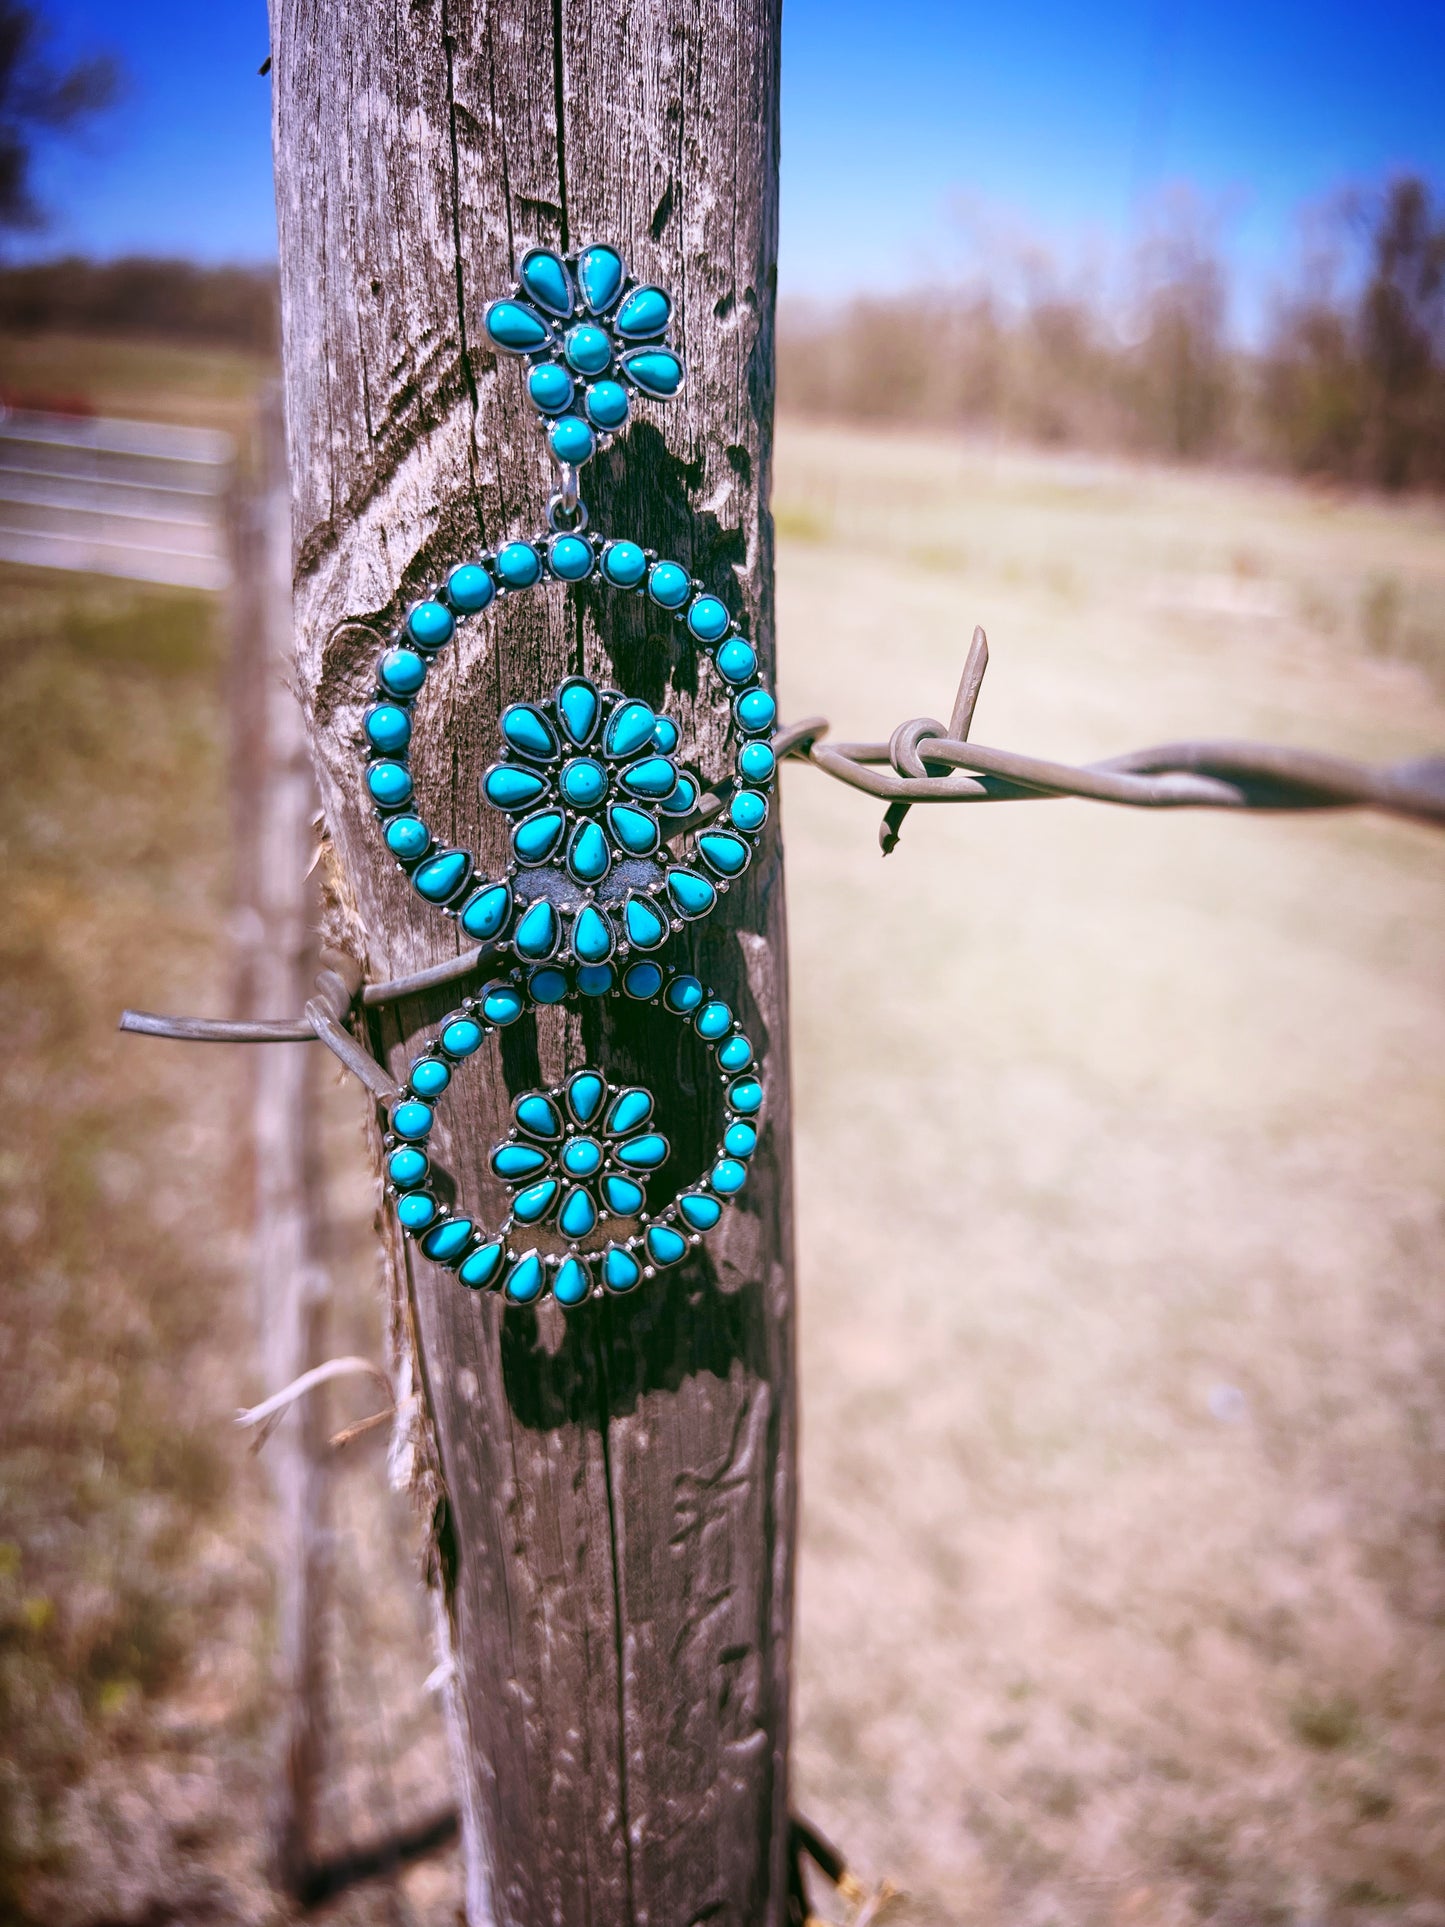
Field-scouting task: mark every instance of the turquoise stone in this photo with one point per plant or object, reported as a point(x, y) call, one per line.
point(431, 624)
point(537, 931)
point(510, 788)
point(630, 1110)
point(646, 926)
point(583, 783)
point(599, 275)
point(664, 1245)
point(470, 588)
point(430, 1076)
point(624, 1198)
point(655, 371)
point(606, 405)
point(520, 330)
point(569, 558)
point(486, 913)
point(746, 1096)
point(740, 1141)
point(389, 783)
point(645, 312)
point(462, 1036)
point(407, 837)
point(536, 837)
point(536, 1201)
point(445, 1244)
point(643, 981)
point(633, 830)
point(524, 1280)
point(728, 1177)
point(643, 1153)
point(401, 672)
point(519, 565)
point(517, 1161)
point(624, 564)
point(708, 619)
point(692, 895)
point(620, 1270)
point(736, 660)
point(528, 731)
point(701, 1212)
point(668, 584)
point(547, 986)
point(756, 763)
point(714, 1020)
point(683, 994)
point(748, 810)
point(588, 856)
point(577, 707)
point(443, 876)
point(654, 778)
point(538, 1114)
point(587, 349)
point(407, 1167)
point(728, 855)
point(630, 726)
point(581, 1157)
point(571, 440)
point(683, 799)
point(756, 710)
point(578, 1214)
point(595, 980)
point(502, 1004)
point(480, 1270)
point(546, 279)
point(416, 1210)
point(664, 735)
point(592, 934)
point(585, 1092)
point(572, 1283)
point(550, 388)
point(410, 1119)
point(387, 727)
point(736, 1054)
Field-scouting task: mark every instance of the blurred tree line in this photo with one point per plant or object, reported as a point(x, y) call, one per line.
point(1349, 384)
point(141, 296)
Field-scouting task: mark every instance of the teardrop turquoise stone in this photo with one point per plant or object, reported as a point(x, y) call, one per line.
point(536, 933)
point(547, 281)
point(599, 274)
point(736, 660)
point(481, 1268)
point(644, 980)
point(484, 914)
point(527, 730)
point(538, 1115)
point(714, 1020)
point(536, 1201)
point(643, 1153)
point(746, 1095)
point(577, 707)
point(578, 1214)
point(683, 994)
point(584, 1093)
point(665, 1246)
point(630, 726)
point(708, 618)
point(629, 1110)
point(448, 1241)
point(572, 1283)
point(502, 1004)
point(654, 777)
point(443, 876)
point(510, 788)
point(587, 854)
point(637, 833)
point(654, 371)
point(520, 330)
point(664, 735)
point(620, 1270)
point(644, 313)
point(592, 935)
point(728, 855)
point(748, 810)
point(683, 799)
point(535, 838)
point(461, 1037)
point(693, 895)
point(646, 926)
point(623, 1196)
point(700, 1212)
point(728, 1176)
point(624, 564)
point(524, 1280)
point(514, 1161)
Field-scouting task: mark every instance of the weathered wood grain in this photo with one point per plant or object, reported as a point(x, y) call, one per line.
point(612, 1494)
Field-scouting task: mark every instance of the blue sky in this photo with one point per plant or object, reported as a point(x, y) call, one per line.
point(908, 126)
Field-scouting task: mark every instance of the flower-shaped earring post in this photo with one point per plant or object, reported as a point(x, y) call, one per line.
point(577, 1159)
point(589, 334)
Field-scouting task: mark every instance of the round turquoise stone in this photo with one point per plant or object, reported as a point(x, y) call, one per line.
point(588, 857)
point(401, 672)
point(756, 763)
point(668, 584)
point(411, 1119)
point(547, 986)
point(633, 830)
point(756, 710)
point(550, 388)
point(727, 855)
point(708, 619)
point(595, 980)
point(592, 934)
point(470, 588)
point(510, 788)
point(389, 784)
point(583, 783)
point(714, 1020)
point(654, 371)
point(443, 876)
point(407, 1167)
point(643, 981)
point(528, 731)
point(664, 1245)
point(518, 329)
point(578, 1214)
point(461, 1037)
point(692, 895)
point(581, 1157)
point(577, 706)
point(431, 624)
point(516, 1161)
point(445, 1244)
point(664, 735)
point(535, 838)
point(736, 660)
point(630, 726)
point(736, 1054)
point(728, 1177)
point(387, 727)
point(599, 275)
point(569, 557)
point(643, 1153)
point(746, 1096)
point(644, 313)
point(408, 838)
point(683, 994)
point(524, 1280)
point(416, 1210)
point(535, 1201)
point(653, 778)
point(537, 931)
point(629, 1110)
point(485, 914)
point(624, 1198)
point(624, 564)
point(620, 1270)
point(430, 1076)
point(646, 926)
point(584, 1093)
point(572, 441)
point(480, 1270)
point(748, 810)
point(518, 565)
point(502, 1004)
point(538, 1115)
point(698, 1210)
point(587, 349)
point(606, 405)
point(740, 1141)
point(572, 1283)
point(546, 279)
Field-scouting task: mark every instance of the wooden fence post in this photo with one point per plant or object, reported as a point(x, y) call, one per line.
point(612, 1491)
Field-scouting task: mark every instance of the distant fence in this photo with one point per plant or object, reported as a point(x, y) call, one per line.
point(103, 497)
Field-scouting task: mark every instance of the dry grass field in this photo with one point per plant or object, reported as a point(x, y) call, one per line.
point(1120, 1140)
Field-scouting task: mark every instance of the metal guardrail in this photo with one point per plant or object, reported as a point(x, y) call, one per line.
point(105, 497)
